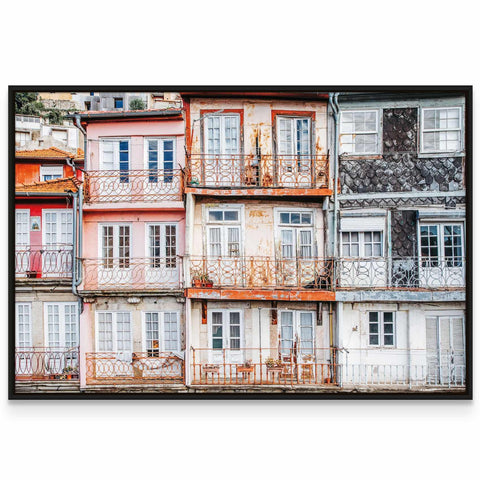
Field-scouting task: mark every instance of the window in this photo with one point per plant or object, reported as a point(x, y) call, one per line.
point(162, 333)
point(118, 102)
point(57, 227)
point(22, 227)
point(296, 234)
point(23, 330)
point(21, 138)
point(61, 325)
point(222, 134)
point(359, 132)
point(381, 329)
point(114, 333)
point(162, 241)
point(441, 129)
point(160, 156)
point(441, 245)
point(296, 332)
point(226, 330)
point(362, 244)
point(224, 235)
point(115, 245)
point(294, 136)
point(115, 156)
point(48, 172)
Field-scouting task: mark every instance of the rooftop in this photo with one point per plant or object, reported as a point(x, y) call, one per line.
point(58, 185)
point(52, 152)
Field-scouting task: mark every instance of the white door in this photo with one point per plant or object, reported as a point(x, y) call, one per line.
point(226, 336)
point(115, 266)
point(57, 243)
point(297, 265)
point(441, 255)
point(162, 268)
point(116, 184)
point(446, 350)
point(222, 165)
point(297, 335)
point(225, 265)
point(22, 242)
point(160, 163)
point(61, 336)
point(24, 357)
point(294, 162)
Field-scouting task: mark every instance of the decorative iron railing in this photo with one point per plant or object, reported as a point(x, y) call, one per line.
point(39, 363)
point(402, 367)
point(401, 273)
point(250, 171)
point(133, 185)
point(264, 366)
point(261, 272)
point(46, 261)
point(131, 368)
point(155, 273)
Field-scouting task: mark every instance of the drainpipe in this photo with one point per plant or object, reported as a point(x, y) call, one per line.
point(333, 101)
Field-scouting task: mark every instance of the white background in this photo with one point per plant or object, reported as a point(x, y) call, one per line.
point(245, 42)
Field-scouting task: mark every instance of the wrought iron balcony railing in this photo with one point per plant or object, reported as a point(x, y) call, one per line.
point(250, 171)
point(134, 368)
point(261, 272)
point(110, 186)
point(47, 261)
point(400, 273)
point(264, 366)
point(46, 363)
point(159, 273)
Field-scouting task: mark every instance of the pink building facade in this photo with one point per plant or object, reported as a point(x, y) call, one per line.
point(132, 324)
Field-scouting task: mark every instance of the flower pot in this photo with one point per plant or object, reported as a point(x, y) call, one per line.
point(208, 284)
point(69, 376)
point(197, 283)
point(245, 369)
point(211, 368)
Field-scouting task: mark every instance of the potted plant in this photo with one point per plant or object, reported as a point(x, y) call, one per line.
point(194, 182)
point(246, 367)
point(274, 364)
point(202, 280)
point(70, 372)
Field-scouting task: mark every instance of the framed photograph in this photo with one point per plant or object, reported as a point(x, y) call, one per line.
point(241, 242)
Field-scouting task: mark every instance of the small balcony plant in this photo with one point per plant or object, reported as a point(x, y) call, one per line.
point(274, 364)
point(69, 372)
point(202, 280)
point(246, 367)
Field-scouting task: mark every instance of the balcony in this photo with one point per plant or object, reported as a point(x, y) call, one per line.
point(116, 186)
point(262, 278)
point(253, 175)
point(132, 274)
point(401, 273)
point(41, 363)
point(264, 366)
point(44, 262)
point(134, 368)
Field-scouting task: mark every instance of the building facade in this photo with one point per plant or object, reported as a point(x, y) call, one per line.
point(253, 242)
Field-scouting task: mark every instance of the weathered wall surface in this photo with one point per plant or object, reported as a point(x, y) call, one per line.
point(404, 233)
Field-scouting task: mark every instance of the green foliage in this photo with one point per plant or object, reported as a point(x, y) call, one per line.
point(137, 104)
point(55, 117)
point(28, 103)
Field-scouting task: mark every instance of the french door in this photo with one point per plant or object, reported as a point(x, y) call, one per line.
point(445, 349)
point(22, 241)
point(115, 267)
point(222, 145)
point(225, 264)
point(297, 335)
point(226, 336)
point(115, 159)
point(294, 163)
point(23, 339)
point(114, 334)
point(58, 243)
point(297, 265)
point(163, 267)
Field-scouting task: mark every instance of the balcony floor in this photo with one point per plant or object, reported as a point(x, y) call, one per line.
point(260, 192)
point(259, 294)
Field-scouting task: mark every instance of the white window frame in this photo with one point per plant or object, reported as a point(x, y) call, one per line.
point(227, 311)
point(296, 327)
point(423, 130)
point(163, 244)
point(160, 149)
point(63, 130)
point(224, 225)
point(222, 117)
point(114, 330)
point(46, 170)
point(62, 329)
point(441, 239)
point(297, 227)
point(27, 233)
point(381, 329)
point(116, 152)
point(116, 243)
point(293, 147)
point(161, 330)
point(30, 332)
point(378, 143)
point(23, 141)
point(59, 212)
point(361, 243)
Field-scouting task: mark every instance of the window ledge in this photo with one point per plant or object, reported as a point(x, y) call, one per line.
point(367, 156)
point(441, 154)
